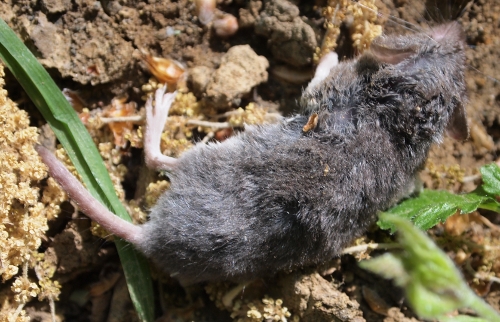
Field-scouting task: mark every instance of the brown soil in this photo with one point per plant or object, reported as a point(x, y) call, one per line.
point(93, 48)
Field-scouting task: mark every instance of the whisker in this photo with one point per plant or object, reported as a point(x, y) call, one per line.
point(493, 79)
point(400, 22)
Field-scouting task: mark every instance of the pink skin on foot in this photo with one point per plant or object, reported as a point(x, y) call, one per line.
point(155, 122)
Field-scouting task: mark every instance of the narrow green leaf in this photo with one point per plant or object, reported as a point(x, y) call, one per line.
point(491, 179)
point(83, 153)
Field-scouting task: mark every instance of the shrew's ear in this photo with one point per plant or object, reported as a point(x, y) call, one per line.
point(389, 55)
point(457, 126)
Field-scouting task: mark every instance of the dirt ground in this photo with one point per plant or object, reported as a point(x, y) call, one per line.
point(93, 49)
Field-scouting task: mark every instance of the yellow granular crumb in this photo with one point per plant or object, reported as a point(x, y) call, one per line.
point(444, 176)
point(64, 158)
point(150, 87)
point(249, 309)
point(22, 217)
point(268, 309)
point(364, 27)
point(7, 314)
point(177, 136)
point(154, 191)
point(45, 269)
point(334, 13)
point(185, 104)
point(52, 197)
point(24, 211)
point(251, 114)
point(135, 210)
point(135, 139)
point(361, 19)
point(117, 171)
point(24, 289)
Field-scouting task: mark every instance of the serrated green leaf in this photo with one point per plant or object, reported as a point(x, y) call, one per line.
point(83, 153)
point(491, 179)
point(433, 285)
point(462, 318)
point(432, 207)
point(388, 266)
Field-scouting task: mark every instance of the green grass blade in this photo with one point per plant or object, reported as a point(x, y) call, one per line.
point(83, 153)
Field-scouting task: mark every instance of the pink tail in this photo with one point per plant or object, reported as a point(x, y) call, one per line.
point(87, 203)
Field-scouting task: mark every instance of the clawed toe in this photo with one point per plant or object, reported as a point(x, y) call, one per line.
point(156, 118)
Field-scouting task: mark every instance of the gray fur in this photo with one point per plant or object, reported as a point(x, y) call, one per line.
point(275, 198)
